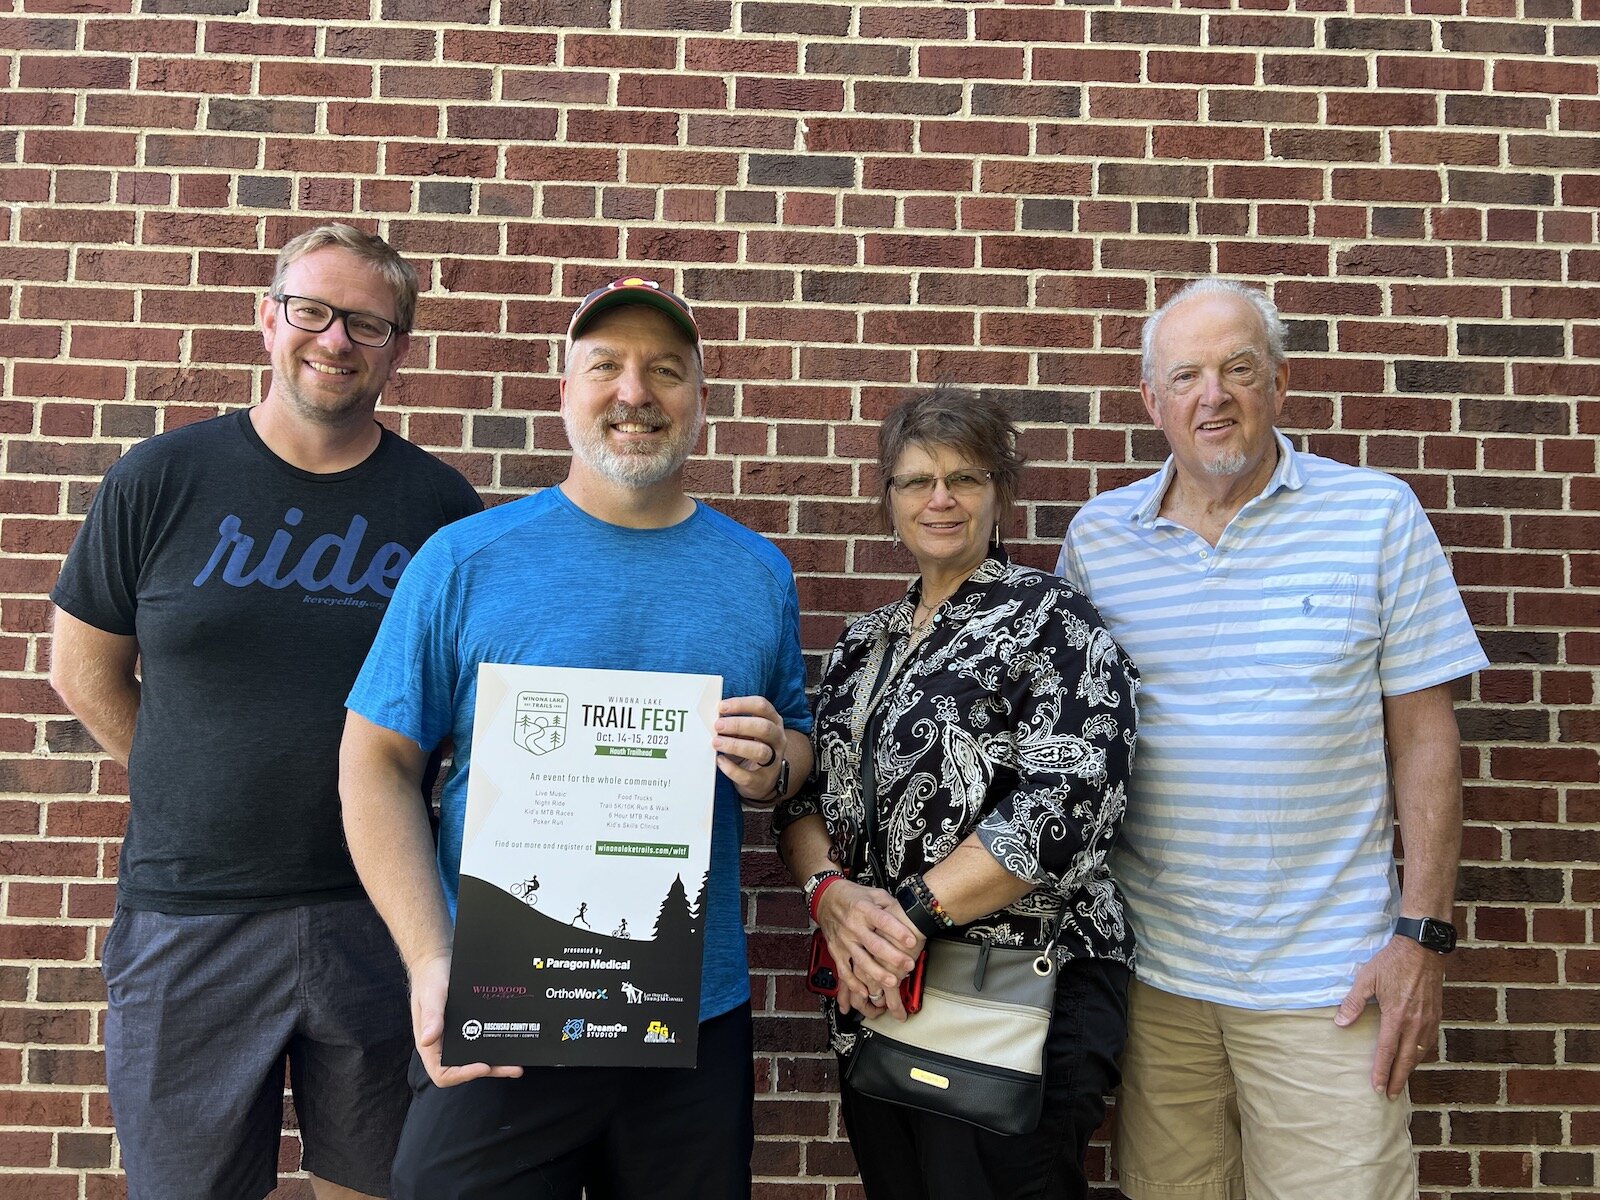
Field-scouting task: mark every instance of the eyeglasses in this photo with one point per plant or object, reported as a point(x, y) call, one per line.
point(957, 483)
point(314, 316)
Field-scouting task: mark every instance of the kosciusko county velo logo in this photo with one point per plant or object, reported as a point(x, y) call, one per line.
point(541, 722)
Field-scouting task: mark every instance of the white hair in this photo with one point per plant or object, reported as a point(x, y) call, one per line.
point(1277, 333)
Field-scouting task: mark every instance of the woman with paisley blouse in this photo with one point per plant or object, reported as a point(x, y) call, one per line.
point(1005, 731)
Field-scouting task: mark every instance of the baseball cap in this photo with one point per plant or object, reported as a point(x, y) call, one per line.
point(633, 290)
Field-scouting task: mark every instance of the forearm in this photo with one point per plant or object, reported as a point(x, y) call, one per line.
point(797, 749)
point(1425, 757)
point(969, 883)
point(109, 712)
point(806, 848)
point(386, 828)
point(93, 673)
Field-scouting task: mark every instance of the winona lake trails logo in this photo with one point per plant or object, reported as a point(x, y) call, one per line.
point(541, 721)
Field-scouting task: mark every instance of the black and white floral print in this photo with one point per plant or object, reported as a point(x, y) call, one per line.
point(1013, 715)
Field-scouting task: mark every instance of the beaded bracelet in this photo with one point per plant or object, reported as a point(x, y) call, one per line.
point(930, 901)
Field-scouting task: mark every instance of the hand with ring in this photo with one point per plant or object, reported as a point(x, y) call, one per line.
point(749, 741)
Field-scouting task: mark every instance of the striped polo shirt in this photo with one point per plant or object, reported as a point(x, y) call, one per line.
point(1257, 853)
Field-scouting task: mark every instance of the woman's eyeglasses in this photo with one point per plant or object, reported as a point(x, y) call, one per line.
point(957, 483)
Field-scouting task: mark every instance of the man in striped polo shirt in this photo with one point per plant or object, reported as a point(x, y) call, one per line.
point(1294, 619)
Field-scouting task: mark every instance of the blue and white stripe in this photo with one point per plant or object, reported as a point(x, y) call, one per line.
point(1257, 853)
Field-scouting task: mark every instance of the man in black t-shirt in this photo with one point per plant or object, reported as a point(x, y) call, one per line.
point(243, 564)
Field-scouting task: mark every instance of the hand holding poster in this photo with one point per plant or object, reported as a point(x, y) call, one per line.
point(583, 869)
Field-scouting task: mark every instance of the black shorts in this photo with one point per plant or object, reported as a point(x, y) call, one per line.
point(205, 1010)
point(622, 1133)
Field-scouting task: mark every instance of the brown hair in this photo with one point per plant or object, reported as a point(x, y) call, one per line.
point(370, 249)
point(971, 422)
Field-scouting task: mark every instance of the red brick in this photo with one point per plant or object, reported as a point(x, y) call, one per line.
point(1086, 65)
point(435, 83)
point(627, 52)
point(253, 38)
point(79, 148)
point(1520, 75)
point(969, 62)
point(1200, 68)
point(738, 55)
point(193, 74)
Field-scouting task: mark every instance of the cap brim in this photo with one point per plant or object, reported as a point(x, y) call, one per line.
point(620, 297)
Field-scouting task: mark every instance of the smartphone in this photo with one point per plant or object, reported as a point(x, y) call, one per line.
point(822, 976)
point(911, 985)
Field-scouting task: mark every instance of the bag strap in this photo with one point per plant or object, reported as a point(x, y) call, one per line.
point(867, 850)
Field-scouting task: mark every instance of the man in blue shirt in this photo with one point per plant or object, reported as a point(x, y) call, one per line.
point(616, 568)
point(1298, 634)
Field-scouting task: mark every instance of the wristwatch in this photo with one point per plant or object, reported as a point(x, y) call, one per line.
point(1438, 936)
point(782, 786)
point(919, 914)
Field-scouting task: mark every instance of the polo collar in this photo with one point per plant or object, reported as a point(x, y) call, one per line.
point(1288, 475)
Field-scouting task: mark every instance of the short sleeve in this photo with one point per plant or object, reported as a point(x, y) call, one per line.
point(788, 686)
point(1427, 637)
point(408, 682)
point(99, 582)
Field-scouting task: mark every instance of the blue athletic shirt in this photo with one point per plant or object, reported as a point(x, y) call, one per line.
point(540, 582)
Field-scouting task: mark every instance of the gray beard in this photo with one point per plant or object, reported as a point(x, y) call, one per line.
point(643, 469)
point(1230, 462)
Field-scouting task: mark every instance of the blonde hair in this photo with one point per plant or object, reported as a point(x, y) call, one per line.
point(370, 249)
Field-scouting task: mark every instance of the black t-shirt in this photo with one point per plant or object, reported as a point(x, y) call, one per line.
point(254, 589)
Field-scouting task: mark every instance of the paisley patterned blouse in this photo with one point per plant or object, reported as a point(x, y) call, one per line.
point(1014, 716)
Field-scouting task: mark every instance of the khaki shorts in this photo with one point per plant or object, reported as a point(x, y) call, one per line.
point(1217, 1101)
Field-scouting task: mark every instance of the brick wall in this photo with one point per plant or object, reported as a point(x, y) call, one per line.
point(859, 197)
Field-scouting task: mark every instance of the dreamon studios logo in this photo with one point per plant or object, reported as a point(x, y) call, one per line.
point(578, 1028)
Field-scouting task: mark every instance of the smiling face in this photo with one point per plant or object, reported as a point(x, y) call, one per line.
point(1215, 391)
point(632, 399)
point(948, 534)
point(325, 378)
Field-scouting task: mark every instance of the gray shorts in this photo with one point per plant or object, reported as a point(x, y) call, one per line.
point(204, 1012)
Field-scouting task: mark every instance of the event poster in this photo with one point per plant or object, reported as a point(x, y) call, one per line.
point(583, 869)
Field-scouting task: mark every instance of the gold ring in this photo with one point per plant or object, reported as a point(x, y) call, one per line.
point(1421, 1049)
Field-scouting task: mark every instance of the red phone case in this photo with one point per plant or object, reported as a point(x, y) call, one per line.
point(911, 985)
point(822, 975)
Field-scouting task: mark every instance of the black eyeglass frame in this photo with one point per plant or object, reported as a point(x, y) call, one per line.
point(337, 314)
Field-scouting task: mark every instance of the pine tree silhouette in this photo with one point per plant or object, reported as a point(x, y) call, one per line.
point(697, 916)
point(675, 922)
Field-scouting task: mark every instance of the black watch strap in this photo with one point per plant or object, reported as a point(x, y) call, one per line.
point(782, 786)
point(921, 917)
point(1438, 936)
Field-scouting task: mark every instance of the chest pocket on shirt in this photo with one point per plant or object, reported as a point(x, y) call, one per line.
point(1306, 619)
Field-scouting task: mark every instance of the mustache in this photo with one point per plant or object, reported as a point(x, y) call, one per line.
point(648, 415)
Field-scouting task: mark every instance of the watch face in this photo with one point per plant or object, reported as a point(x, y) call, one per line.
point(1436, 935)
